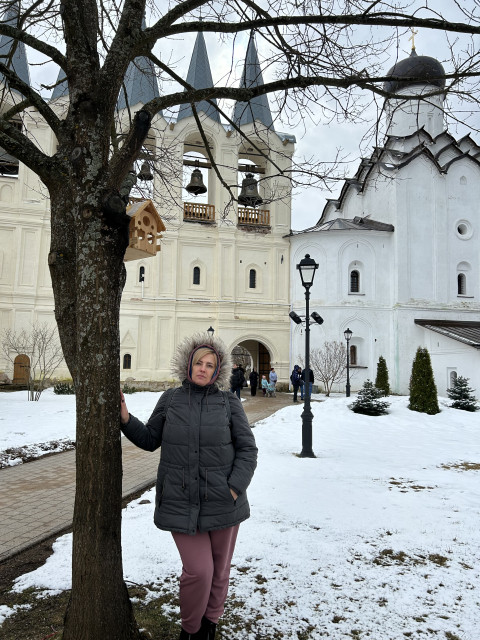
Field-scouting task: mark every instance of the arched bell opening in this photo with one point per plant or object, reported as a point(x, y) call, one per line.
point(252, 208)
point(198, 181)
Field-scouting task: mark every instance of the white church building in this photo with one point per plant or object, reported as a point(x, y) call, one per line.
point(220, 267)
point(398, 250)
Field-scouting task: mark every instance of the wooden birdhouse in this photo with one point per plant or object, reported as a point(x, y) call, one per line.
point(144, 231)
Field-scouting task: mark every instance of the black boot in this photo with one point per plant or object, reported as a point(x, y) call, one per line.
point(199, 635)
point(209, 628)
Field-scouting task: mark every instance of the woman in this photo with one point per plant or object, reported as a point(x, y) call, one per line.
point(207, 462)
point(253, 382)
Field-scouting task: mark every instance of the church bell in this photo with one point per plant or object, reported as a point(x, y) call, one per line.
point(249, 195)
point(145, 172)
point(196, 186)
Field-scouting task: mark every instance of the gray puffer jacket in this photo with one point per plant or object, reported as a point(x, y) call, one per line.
point(203, 456)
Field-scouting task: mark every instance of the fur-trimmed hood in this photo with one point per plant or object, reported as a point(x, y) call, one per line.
point(182, 354)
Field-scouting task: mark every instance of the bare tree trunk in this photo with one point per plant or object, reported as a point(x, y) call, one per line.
point(99, 605)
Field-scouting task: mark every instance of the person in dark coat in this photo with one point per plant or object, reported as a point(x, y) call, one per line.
point(310, 379)
point(295, 379)
point(236, 380)
point(208, 460)
point(253, 382)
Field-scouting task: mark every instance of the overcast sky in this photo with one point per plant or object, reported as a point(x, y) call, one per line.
point(321, 140)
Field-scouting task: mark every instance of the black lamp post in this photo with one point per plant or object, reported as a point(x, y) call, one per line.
point(210, 331)
point(307, 268)
point(348, 334)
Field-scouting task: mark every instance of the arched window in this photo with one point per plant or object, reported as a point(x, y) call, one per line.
point(127, 361)
point(196, 275)
point(461, 284)
point(141, 274)
point(453, 378)
point(354, 281)
point(252, 279)
point(353, 354)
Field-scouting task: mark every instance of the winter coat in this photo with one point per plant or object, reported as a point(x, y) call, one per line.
point(253, 379)
point(304, 376)
point(272, 376)
point(295, 378)
point(237, 378)
point(203, 456)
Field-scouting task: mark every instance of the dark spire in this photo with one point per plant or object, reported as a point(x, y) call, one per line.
point(61, 88)
point(18, 61)
point(199, 77)
point(140, 81)
point(258, 108)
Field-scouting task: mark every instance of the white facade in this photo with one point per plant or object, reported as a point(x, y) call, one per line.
point(241, 261)
point(400, 244)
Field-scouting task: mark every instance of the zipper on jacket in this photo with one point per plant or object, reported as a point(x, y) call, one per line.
point(206, 486)
point(183, 478)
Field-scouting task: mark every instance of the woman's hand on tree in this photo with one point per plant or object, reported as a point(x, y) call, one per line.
point(124, 415)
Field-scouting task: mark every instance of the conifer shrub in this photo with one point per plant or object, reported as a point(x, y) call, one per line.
point(129, 389)
point(381, 381)
point(462, 395)
point(423, 390)
point(368, 401)
point(64, 389)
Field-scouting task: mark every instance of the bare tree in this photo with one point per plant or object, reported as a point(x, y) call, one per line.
point(329, 364)
point(323, 57)
point(44, 352)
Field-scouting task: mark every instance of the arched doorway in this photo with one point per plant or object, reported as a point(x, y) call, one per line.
point(257, 353)
point(21, 369)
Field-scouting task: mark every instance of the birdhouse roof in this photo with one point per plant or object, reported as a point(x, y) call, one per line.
point(138, 206)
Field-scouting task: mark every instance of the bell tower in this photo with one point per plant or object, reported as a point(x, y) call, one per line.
point(224, 261)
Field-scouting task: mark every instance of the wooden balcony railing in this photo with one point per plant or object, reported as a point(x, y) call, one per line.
point(198, 212)
point(249, 215)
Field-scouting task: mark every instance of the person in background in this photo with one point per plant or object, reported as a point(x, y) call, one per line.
point(253, 382)
point(295, 379)
point(264, 385)
point(310, 380)
point(236, 380)
point(272, 376)
point(208, 460)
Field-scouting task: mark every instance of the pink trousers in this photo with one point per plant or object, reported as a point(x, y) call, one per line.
point(206, 559)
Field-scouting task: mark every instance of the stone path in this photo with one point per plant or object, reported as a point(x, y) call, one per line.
point(36, 498)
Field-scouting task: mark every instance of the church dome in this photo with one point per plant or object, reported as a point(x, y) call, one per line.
point(415, 70)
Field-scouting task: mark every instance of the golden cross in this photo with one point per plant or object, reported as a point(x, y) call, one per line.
point(412, 37)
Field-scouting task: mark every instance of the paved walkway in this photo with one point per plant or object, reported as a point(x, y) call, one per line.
point(36, 498)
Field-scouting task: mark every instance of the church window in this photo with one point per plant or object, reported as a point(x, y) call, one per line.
point(463, 229)
point(453, 378)
point(252, 279)
point(463, 180)
point(354, 281)
point(461, 284)
point(127, 361)
point(141, 274)
point(353, 354)
point(196, 275)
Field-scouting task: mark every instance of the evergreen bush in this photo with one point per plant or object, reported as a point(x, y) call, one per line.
point(128, 389)
point(462, 395)
point(368, 401)
point(64, 389)
point(423, 390)
point(381, 381)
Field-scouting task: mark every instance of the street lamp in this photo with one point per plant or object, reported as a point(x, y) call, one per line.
point(307, 268)
point(210, 331)
point(348, 334)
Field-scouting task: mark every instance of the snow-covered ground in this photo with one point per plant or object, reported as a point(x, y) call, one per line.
point(377, 537)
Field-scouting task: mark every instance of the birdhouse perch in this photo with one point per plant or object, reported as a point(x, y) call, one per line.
point(144, 231)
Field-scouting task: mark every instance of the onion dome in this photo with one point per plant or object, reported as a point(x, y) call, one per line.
point(415, 70)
